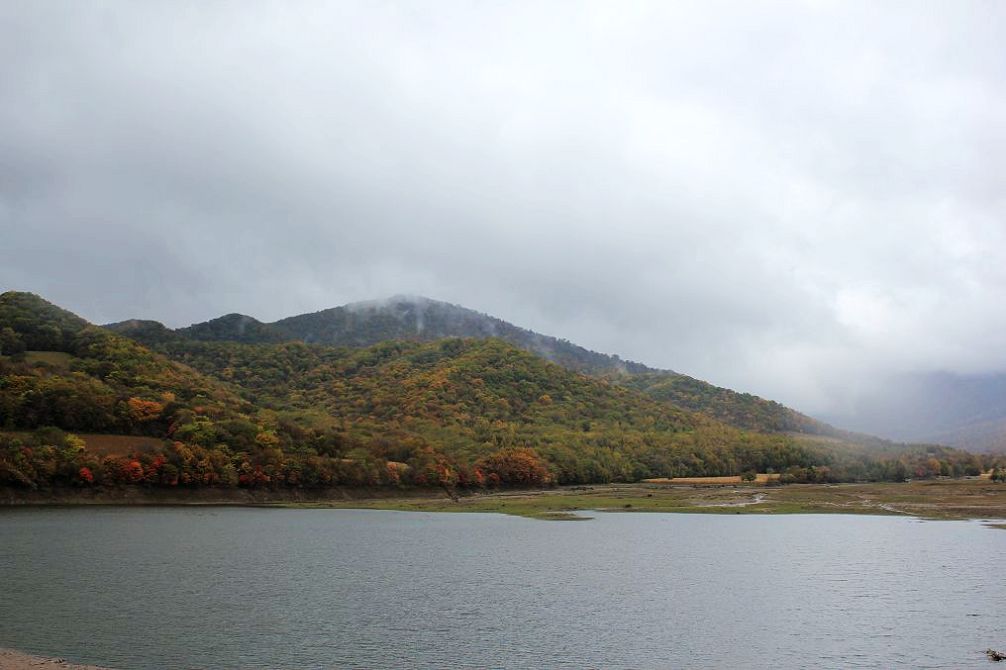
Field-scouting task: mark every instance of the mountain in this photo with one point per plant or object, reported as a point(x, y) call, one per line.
point(942, 407)
point(414, 318)
point(143, 331)
point(235, 328)
point(455, 412)
point(421, 319)
point(227, 328)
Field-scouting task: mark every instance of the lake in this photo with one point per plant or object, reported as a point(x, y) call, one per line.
point(221, 587)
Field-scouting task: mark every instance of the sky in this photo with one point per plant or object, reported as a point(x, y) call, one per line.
point(794, 199)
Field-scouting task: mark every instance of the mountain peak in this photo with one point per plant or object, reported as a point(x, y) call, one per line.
point(233, 327)
point(397, 300)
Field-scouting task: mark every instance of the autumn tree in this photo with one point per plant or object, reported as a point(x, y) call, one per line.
point(142, 411)
point(10, 342)
point(516, 466)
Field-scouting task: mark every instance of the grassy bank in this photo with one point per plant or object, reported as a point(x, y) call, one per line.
point(942, 499)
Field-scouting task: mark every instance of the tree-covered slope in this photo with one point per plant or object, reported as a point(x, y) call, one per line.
point(98, 382)
point(742, 410)
point(423, 320)
point(466, 397)
point(60, 373)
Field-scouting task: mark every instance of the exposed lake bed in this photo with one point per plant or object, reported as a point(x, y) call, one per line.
point(936, 499)
point(231, 587)
point(941, 499)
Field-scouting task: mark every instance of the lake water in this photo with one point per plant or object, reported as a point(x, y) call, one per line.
point(281, 588)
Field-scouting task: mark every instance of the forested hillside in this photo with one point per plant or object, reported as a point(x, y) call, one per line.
point(742, 410)
point(423, 320)
point(454, 412)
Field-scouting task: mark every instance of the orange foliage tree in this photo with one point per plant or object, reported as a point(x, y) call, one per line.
point(517, 466)
point(142, 411)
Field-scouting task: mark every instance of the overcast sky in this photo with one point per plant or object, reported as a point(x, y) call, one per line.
point(784, 198)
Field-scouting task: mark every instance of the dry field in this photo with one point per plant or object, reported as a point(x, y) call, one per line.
point(760, 478)
point(109, 445)
point(118, 445)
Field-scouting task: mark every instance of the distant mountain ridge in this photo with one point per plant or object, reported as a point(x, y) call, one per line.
point(236, 328)
point(959, 410)
point(415, 318)
point(400, 317)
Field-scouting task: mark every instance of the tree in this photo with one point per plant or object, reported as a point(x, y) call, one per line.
point(10, 342)
point(516, 466)
point(132, 471)
point(142, 411)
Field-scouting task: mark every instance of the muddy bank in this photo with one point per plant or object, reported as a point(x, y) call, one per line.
point(16, 660)
point(940, 499)
point(136, 495)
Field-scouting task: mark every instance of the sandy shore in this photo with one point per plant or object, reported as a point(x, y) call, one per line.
point(16, 660)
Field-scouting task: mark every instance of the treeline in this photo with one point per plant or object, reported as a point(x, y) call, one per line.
point(913, 464)
point(50, 458)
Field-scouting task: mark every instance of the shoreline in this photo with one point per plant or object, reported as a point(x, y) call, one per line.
point(931, 499)
point(12, 659)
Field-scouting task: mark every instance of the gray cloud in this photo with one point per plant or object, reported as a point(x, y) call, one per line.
point(792, 199)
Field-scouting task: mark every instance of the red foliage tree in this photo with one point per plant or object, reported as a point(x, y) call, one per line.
point(132, 471)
